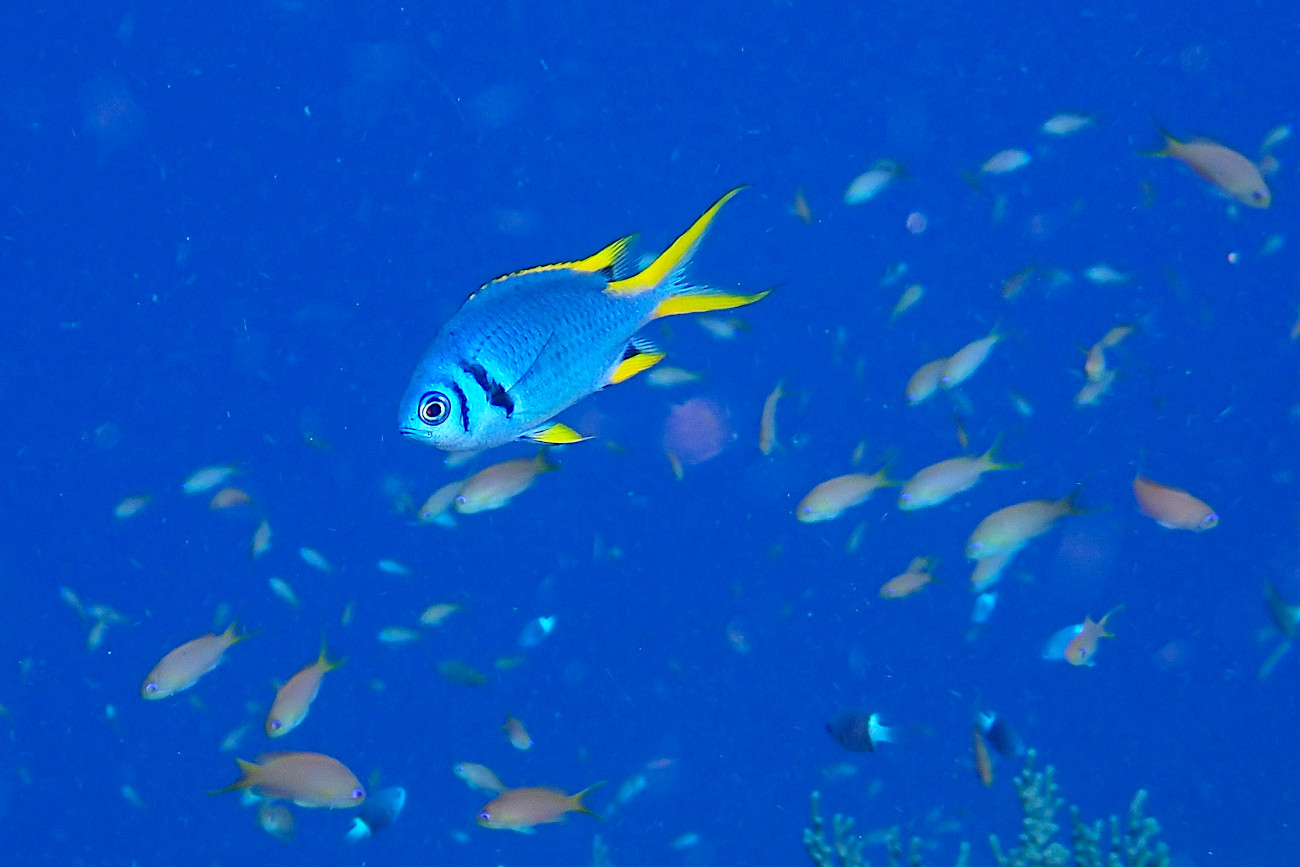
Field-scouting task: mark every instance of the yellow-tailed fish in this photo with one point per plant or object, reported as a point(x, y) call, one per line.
point(1010, 529)
point(988, 570)
point(1231, 173)
point(940, 482)
point(293, 700)
point(530, 344)
point(963, 363)
point(181, 668)
point(523, 808)
point(307, 779)
point(832, 497)
point(925, 382)
point(916, 577)
point(436, 509)
point(495, 486)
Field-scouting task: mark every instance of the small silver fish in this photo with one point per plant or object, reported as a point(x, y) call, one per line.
point(530, 344)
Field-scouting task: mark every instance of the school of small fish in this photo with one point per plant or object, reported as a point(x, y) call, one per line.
point(529, 345)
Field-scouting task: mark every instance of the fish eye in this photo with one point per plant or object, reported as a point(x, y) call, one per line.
point(485, 816)
point(151, 687)
point(434, 408)
point(1210, 520)
point(275, 724)
point(358, 793)
point(1257, 195)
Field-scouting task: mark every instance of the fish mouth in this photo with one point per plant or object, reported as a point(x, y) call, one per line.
point(414, 433)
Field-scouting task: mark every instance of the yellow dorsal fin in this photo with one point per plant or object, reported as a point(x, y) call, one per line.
point(673, 259)
point(607, 260)
point(610, 261)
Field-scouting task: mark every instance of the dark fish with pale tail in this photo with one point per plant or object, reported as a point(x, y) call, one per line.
point(858, 731)
point(379, 811)
point(529, 345)
point(1000, 734)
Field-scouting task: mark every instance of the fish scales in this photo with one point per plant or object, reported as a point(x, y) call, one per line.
point(547, 338)
point(530, 344)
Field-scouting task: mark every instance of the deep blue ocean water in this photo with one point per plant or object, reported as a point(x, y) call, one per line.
point(228, 232)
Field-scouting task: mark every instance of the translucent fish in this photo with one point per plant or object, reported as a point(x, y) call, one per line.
point(872, 182)
point(131, 506)
point(1066, 124)
point(205, 479)
point(261, 540)
point(229, 498)
point(315, 559)
point(434, 615)
point(1005, 161)
point(398, 635)
point(536, 631)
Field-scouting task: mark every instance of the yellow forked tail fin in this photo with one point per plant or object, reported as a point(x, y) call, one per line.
point(673, 260)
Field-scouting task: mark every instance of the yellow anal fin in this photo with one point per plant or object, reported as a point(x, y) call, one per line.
point(703, 302)
point(675, 258)
point(612, 261)
point(639, 356)
point(554, 434)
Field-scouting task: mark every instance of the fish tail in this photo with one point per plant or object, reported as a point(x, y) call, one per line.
point(323, 659)
point(1105, 618)
point(1169, 144)
point(576, 799)
point(248, 778)
point(990, 457)
point(543, 465)
point(233, 634)
point(667, 273)
point(1070, 502)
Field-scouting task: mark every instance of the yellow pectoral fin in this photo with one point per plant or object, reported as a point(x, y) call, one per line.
point(703, 303)
point(554, 434)
point(675, 258)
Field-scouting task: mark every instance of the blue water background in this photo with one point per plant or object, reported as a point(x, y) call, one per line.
point(227, 230)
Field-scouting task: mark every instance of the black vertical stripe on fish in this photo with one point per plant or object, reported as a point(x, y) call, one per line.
point(496, 395)
point(464, 407)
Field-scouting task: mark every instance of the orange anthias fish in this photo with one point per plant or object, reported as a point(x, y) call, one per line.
point(916, 577)
point(523, 808)
point(1173, 508)
point(293, 700)
point(307, 779)
point(1084, 644)
point(1233, 174)
point(181, 668)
